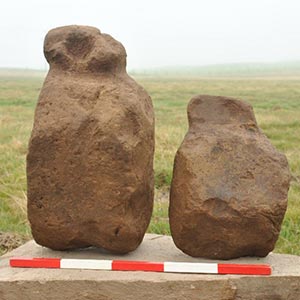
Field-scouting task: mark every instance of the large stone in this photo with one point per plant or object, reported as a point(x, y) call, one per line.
point(229, 189)
point(59, 284)
point(90, 160)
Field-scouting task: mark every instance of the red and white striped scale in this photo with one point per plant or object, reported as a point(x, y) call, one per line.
point(123, 265)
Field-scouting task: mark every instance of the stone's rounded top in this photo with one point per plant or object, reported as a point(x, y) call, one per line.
point(84, 49)
point(65, 30)
point(219, 110)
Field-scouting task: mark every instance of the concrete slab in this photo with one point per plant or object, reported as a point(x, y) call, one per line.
point(56, 284)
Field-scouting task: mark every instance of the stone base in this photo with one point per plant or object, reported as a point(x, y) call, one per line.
point(59, 284)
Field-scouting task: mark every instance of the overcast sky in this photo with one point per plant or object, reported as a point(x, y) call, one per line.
point(159, 32)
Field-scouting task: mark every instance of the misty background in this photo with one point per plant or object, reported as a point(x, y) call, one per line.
point(159, 34)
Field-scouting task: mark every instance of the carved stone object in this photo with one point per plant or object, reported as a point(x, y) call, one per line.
point(90, 159)
point(230, 185)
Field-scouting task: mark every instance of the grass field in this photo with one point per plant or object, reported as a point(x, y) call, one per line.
point(276, 102)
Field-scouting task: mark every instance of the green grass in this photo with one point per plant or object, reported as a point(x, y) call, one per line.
point(276, 102)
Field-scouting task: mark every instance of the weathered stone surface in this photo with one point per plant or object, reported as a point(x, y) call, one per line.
point(229, 189)
point(90, 160)
point(58, 284)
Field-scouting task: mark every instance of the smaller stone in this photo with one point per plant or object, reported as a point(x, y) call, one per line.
point(230, 185)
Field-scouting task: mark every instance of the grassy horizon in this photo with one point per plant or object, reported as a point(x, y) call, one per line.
point(245, 70)
point(276, 104)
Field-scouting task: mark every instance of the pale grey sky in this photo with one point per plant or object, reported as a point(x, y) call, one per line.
point(159, 32)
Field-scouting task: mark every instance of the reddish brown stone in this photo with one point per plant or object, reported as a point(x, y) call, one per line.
point(230, 185)
point(90, 160)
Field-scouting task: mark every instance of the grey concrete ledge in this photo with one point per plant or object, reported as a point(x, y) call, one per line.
point(56, 284)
